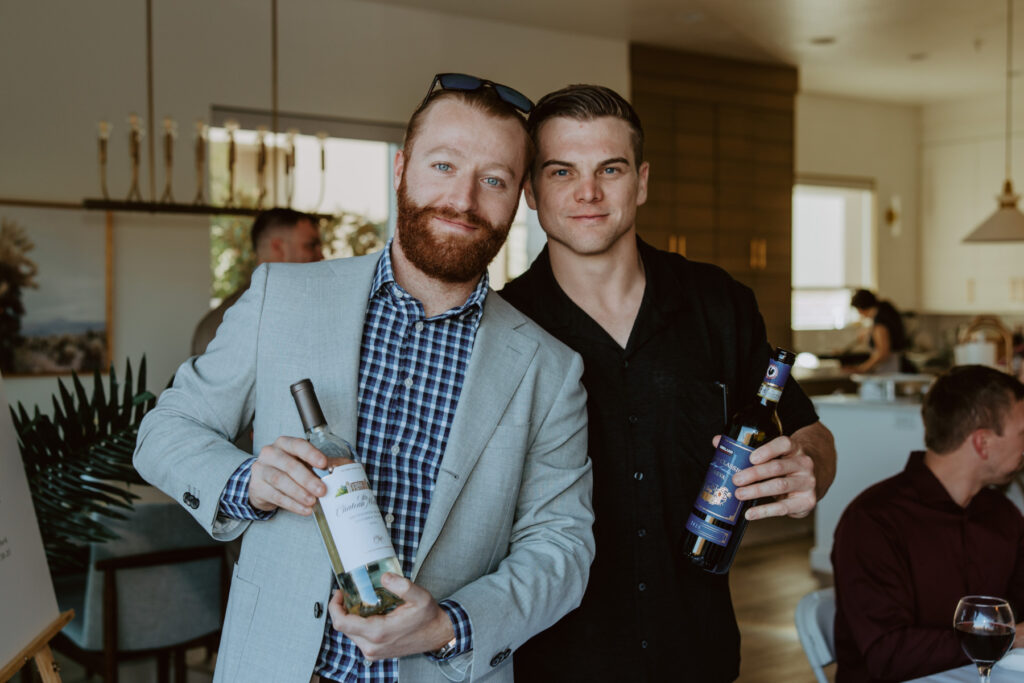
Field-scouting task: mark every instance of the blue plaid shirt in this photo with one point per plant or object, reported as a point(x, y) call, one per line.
point(411, 371)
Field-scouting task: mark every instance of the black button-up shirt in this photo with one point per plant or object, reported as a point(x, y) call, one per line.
point(648, 613)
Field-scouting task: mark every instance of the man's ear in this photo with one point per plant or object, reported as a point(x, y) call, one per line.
point(642, 173)
point(531, 201)
point(275, 245)
point(399, 169)
point(979, 441)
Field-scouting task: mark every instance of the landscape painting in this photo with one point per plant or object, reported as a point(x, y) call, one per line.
point(53, 291)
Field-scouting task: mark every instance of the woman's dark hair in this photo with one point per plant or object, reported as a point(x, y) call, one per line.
point(964, 399)
point(863, 299)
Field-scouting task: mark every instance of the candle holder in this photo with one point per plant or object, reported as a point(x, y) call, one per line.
point(200, 153)
point(289, 166)
point(261, 166)
point(322, 139)
point(104, 136)
point(231, 126)
point(135, 134)
point(170, 132)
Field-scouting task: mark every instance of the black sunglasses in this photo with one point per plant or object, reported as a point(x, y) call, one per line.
point(470, 83)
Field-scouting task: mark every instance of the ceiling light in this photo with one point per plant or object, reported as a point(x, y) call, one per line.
point(1007, 223)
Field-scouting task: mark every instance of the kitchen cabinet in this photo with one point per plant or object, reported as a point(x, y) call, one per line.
point(960, 175)
point(719, 138)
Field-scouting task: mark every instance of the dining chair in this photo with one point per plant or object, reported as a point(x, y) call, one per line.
point(154, 592)
point(815, 624)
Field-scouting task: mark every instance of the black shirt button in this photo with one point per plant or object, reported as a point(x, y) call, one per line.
point(318, 610)
point(642, 587)
point(643, 644)
point(641, 532)
point(625, 363)
point(639, 476)
point(632, 419)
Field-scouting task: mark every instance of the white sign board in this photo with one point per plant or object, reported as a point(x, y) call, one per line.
point(27, 602)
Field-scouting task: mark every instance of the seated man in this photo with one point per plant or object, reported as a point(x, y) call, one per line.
point(908, 548)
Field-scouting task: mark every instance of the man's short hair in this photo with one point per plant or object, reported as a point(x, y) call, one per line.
point(276, 218)
point(863, 300)
point(484, 99)
point(586, 103)
point(966, 398)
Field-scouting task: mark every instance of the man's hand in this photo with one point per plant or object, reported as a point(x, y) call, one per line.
point(282, 478)
point(782, 476)
point(418, 625)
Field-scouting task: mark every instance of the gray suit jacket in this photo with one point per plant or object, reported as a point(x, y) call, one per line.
point(508, 534)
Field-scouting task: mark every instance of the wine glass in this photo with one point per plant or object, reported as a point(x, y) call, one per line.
point(986, 629)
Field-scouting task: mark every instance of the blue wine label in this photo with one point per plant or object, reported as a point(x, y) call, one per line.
point(707, 531)
point(718, 495)
point(774, 380)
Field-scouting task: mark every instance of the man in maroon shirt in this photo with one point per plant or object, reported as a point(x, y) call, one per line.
point(908, 548)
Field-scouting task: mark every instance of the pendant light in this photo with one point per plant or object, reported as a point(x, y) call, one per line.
point(1007, 223)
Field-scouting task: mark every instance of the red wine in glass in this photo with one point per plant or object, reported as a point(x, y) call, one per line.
point(986, 643)
point(986, 628)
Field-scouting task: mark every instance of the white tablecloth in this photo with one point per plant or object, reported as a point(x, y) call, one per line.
point(969, 674)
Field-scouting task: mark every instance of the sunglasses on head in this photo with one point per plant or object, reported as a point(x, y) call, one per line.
point(469, 83)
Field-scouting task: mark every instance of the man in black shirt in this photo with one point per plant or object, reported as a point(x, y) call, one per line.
point(663, 339)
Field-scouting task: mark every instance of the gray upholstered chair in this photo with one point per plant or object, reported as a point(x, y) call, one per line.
point(815, 624)
point(156, 591)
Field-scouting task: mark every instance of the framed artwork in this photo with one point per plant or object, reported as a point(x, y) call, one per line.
point(55, 290)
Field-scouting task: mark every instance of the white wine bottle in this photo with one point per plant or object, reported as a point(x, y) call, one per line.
point(357, 541)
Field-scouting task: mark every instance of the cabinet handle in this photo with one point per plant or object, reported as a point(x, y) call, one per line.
point(758, 253)
point(677, 244)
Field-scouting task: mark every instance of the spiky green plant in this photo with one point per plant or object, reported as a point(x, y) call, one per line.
point(78, 460)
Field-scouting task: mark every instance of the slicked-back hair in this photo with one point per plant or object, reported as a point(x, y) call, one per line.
point(585, 103)
point(483, 99)
point(966, 398)
point(276, 218)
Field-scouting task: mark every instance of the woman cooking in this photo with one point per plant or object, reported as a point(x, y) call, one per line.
point(887, 338)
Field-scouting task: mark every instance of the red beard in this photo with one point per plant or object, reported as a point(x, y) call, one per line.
point(449, 258)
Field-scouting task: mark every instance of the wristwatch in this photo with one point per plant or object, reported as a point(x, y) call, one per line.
point(445, 650)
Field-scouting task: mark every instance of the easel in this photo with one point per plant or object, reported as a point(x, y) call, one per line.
point(39, 650)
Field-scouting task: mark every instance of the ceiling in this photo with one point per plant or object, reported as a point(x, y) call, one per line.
point(910, 51)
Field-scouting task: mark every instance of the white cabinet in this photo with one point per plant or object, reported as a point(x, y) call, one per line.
point(873, 440)
point(962, 171)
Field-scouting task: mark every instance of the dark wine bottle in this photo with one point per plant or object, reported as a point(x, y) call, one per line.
point(716, 524)
point(355, 537)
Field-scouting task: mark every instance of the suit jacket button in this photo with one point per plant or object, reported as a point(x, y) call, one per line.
point(500, 657)
point(190, 500)
point(318, 610)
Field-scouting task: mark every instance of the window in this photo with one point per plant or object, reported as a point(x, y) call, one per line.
point(833, 251)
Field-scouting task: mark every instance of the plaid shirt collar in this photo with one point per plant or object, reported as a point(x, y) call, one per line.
point(386, 287)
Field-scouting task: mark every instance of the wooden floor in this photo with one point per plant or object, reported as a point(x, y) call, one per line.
point(767, 581)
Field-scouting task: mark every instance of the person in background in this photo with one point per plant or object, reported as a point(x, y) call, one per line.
point(908, 548)
point(470, 421)
point(278, 236)
point(886, 336)
point(661, 339)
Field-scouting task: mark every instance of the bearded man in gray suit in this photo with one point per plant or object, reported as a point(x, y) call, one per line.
point(470, 421)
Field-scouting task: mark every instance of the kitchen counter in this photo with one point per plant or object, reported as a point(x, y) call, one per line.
point(873, 440)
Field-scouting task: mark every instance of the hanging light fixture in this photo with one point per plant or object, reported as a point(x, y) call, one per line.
point(1007, 223)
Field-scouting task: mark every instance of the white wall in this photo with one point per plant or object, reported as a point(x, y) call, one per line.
point(856, 138)
point(68, 65)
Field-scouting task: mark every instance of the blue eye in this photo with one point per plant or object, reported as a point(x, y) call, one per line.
point(561, 172)
point(493, 182)
point(610, 170)
point(441, 166)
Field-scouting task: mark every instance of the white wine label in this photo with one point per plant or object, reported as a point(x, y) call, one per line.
point(353, 517)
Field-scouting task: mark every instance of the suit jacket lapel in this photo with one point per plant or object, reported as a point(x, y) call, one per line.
point(342, 301)
point(499, 361)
